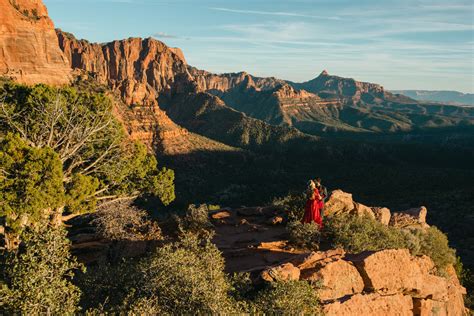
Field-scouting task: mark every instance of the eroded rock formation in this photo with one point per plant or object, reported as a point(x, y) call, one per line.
point(139, 69)
point(340, 202)
point(29, 50)
point(387, 282)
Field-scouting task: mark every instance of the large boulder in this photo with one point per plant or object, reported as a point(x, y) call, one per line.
point(338, 279)
point(414, 217)
point(283, 272)
point(371, 305)
point(362, 210)
point(339, 202)
point(382, 214)
point(390, 272)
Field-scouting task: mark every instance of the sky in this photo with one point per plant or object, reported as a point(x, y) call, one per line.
point(401, 44)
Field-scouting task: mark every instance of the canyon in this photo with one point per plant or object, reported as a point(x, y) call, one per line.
point(177, 110)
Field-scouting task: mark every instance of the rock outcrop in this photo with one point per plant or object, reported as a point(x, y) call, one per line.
point(29, 51)
point(338, 279)
point(340, 202)
point(138, 69)
point(414, 217)
point(387, 282)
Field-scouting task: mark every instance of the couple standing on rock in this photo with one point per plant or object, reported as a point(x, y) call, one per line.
point(316, 195)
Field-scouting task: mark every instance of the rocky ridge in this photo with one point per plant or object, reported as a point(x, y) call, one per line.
point(386, 282)
point(347, 88)
point(139, 69)
point(254, 240)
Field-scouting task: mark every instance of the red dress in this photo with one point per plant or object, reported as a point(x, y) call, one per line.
point(312, 210)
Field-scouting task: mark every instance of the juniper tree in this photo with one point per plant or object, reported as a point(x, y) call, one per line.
point(62, 151)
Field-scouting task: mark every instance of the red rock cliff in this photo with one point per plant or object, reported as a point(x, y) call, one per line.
point(139, 69)
point(29, 51)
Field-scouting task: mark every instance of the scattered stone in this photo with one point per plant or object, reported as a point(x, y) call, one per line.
point(273, 245)
point(276, 220)
point(284, 272)
point(221, 214)
point(243, 221)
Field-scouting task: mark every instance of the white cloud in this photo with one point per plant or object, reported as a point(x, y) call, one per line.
point(164, 35)
point(276, 13)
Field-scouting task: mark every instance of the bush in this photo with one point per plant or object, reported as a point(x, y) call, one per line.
point(304, 235)
point(196, 221)
point(294, 205)
point(37, 276)
point(106, 287)
point(356, 234)
point(288, 298)
point(187, 277)
point(433, 243)
point(123, 221)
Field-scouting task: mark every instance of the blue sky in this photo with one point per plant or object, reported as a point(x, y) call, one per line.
point(416, 44)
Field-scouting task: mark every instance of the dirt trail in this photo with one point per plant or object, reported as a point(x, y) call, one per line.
point(251, 239)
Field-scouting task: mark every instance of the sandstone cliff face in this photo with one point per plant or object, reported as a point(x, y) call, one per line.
point(29, 51)
point(139, 69)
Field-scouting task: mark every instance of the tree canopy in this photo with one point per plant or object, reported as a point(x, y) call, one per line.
point(62, 151)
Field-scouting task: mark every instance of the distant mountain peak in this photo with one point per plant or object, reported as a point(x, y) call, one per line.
point(324, 73)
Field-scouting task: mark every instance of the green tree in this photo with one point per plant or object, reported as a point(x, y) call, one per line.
point(31, 185)
point(74, 137)
point(37, 277)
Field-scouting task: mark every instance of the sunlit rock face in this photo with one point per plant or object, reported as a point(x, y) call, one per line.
point(29, 50)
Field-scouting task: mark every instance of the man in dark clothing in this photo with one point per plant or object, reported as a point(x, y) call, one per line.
point(323, 192)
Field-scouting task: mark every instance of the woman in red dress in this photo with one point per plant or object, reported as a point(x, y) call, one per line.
point(312, 209)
